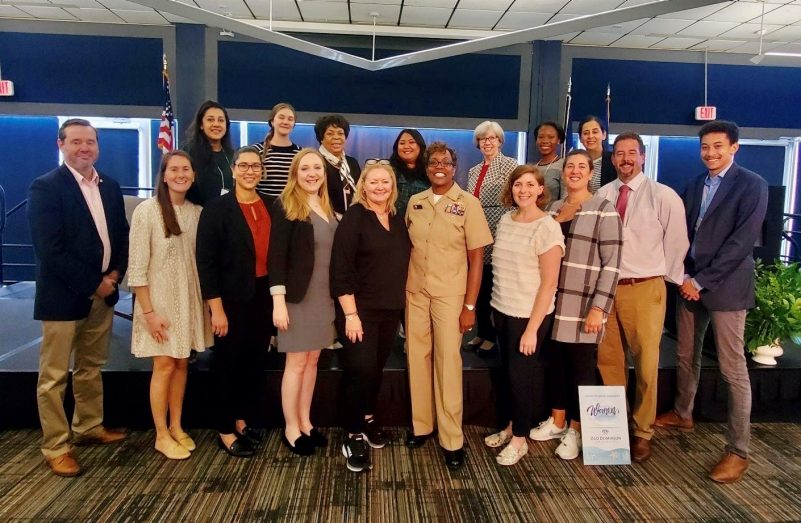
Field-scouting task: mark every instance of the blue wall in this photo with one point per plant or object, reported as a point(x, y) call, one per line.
point(257, 76)
point(668, 92)
point(680, 161)
point(69, 69)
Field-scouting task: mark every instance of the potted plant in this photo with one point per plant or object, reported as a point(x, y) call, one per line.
point(777, 314)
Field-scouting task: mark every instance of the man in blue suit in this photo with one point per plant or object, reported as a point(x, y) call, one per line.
point(725, 209)
point(80, 235)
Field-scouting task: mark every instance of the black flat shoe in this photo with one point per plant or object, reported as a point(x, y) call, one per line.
point(454, 459)
point(252, 435)
point(240, 448)
point(302, 446)
point(415, 442)
point(317, 438)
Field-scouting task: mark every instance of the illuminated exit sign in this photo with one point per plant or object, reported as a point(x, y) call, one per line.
point(6, 88)
point(706, 112)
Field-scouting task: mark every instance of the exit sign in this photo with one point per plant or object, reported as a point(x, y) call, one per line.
point(706, 112)
point(6, 88)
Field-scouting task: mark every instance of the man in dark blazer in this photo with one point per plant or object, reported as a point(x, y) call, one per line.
point(725, 209)
point(80, 236)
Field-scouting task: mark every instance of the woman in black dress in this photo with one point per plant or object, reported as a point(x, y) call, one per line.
point(208, 143)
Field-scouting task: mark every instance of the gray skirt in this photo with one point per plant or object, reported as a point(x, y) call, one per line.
point(311, 322)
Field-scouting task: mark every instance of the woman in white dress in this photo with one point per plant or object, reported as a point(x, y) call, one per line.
point(169, 316)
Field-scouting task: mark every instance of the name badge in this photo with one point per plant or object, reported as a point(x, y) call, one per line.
point(417, 206)
point(457, 209)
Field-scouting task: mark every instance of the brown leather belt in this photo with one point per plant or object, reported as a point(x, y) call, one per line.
point(632, 281)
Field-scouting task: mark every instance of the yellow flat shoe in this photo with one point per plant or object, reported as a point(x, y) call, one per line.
point(184, 440)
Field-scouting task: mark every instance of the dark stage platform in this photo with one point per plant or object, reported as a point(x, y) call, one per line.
point(777, 390)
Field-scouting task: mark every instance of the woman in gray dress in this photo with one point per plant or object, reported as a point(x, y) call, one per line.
point(300, 251)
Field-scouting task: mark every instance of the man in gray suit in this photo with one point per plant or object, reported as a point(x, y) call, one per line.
point(725, 209)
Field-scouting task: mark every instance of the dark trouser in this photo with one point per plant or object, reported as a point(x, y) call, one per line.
point(484, 328)
point(239, 357)
point(728, 328)
point(519, 370)
point(570, 365)
point(363, 364)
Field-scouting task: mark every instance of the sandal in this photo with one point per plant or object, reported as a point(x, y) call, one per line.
point(498, 439)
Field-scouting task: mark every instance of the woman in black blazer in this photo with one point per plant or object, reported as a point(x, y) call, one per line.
point(300, 252)
point(342, 171)
point(592, 134)
point(232, 244)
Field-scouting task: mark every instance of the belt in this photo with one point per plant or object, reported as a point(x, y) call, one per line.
point(632, 281)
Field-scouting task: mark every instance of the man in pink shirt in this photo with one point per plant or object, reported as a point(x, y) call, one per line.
point(80, 235)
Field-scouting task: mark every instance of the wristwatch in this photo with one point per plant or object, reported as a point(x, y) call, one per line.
point(471, 308)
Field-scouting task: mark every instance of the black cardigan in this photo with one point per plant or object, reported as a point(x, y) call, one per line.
point(608, 171)
point(335, 185)
point(291, 260)
point(225, 253)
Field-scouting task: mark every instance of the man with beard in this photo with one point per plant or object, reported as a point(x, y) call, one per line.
point(654, 245)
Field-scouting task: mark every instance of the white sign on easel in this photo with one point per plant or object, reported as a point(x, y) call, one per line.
point(604, 425)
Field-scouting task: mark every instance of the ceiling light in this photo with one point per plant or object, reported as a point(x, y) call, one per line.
point(777, 53)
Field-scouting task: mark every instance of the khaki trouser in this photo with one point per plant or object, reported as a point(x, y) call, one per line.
point(635, 325)
point(435, 366)
point(87, 340)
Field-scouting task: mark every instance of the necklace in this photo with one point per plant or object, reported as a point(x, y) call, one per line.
point(541, 163)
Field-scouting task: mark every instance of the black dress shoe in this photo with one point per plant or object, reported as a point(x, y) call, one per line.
point(302, 446)
point(317, 438)
point(454, 459)
point(241, 448)
point(252, 435)
point(415, 442)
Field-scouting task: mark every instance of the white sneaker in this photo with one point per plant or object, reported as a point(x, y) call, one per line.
point(570, 446)
point(547, 430)
point(510, 455)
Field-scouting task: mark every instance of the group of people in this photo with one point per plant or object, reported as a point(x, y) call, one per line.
point(563, 263)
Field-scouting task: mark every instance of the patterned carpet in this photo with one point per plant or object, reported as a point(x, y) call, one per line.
point(131, 482)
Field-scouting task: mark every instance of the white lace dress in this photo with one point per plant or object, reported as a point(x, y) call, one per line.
point(167, 266)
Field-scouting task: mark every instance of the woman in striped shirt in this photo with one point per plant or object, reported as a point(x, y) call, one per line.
point(525, 265)
point(277, 150)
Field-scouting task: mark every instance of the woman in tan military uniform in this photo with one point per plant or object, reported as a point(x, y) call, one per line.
point(448, 232)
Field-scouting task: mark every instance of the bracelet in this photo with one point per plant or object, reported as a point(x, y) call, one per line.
point(148, 312)
point(351, 315)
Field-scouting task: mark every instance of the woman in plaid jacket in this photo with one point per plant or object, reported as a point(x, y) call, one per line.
point(586, 289)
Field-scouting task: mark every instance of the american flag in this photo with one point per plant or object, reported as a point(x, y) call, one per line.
point(166, 142)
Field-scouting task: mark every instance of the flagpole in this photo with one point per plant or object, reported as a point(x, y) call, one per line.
point(568, 131)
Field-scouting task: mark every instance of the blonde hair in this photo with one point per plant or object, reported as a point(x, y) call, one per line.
point(294, 198)
point(361, 197)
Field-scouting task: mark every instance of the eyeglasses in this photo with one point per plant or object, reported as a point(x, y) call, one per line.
point(490, 139)
point(436, 163)
point(376, 161)
point(245, 167)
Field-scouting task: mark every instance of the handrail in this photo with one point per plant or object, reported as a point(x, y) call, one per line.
point(17, 207)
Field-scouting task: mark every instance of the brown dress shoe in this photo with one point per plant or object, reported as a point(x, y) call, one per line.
point(729, 469)
point(671, 420)
point(101, 436)
point(64, 465)
point(640, 449)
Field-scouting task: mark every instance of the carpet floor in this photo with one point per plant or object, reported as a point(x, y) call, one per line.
point(131, 482)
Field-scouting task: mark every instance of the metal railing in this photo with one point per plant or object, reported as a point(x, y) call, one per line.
point(791, 233)
point(17, 208)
